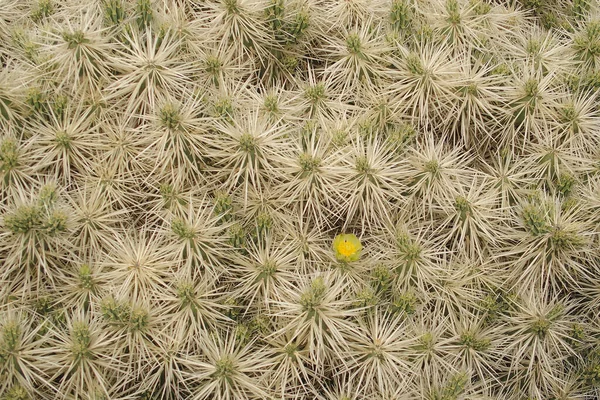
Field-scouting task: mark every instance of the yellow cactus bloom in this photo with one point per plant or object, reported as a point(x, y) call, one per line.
point(347, 247)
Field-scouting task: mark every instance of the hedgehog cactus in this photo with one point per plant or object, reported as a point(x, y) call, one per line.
point(299, 199)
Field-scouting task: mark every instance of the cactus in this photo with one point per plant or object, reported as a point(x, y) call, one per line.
point(299, 199)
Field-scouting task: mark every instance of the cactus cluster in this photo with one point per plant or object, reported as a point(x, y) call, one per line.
point(299, 199)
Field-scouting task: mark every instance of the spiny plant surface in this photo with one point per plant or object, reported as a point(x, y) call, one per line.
point(299, 199)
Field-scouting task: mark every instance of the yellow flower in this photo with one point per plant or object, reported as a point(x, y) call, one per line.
point(347, 247)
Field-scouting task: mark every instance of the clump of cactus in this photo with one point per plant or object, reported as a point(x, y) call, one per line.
point(299, 199)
